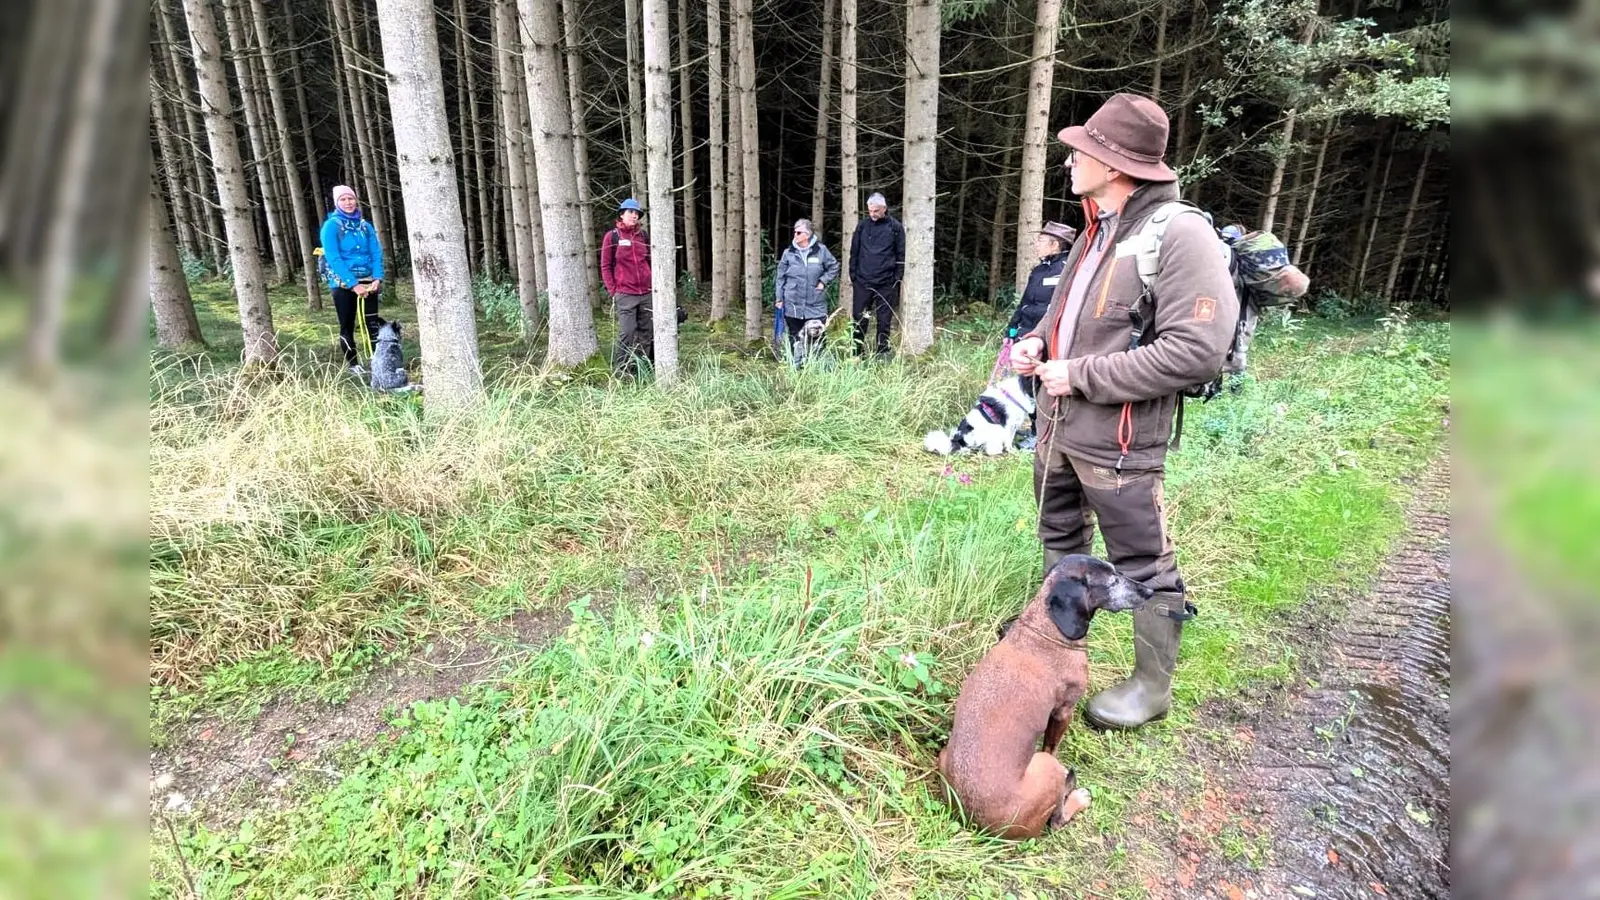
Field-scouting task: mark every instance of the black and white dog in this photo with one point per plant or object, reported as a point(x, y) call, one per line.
point(388, 365)
point(1002, 409)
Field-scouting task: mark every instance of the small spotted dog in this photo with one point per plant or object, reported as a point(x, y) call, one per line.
point(1002, 409)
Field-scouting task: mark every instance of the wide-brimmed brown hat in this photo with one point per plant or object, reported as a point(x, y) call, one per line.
point(1127, 133)
point(1063, 233)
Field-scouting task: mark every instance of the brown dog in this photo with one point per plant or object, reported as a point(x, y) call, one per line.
point(1024, 687)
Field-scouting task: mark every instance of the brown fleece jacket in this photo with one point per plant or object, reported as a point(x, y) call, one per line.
point(1122, 401)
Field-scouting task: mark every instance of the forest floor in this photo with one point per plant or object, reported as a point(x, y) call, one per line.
point(608, 640)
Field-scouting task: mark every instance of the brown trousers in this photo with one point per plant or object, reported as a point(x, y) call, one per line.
point(1074, 494)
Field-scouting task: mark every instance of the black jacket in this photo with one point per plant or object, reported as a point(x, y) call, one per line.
point(1036, 296)
point(878, 252)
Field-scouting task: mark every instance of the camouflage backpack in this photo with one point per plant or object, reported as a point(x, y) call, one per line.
point(1263, 278)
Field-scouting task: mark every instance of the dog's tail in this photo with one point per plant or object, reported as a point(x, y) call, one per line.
point(938, 442)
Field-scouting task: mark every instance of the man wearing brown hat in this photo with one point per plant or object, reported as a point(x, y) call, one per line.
point(1113, 360)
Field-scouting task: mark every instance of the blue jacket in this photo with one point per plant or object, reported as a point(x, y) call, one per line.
point(351, 250)
point(799, 273)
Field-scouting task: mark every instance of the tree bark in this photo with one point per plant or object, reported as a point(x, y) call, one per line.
point(849, 161)
point(658, 136)
point(63, 245)
point(1275, 185)
point(1377, 219)
point(719, 172)
point(572, 335)
point(361, 126)
point(580, 147)
point(1161, 50)
point(997, 231)
point(479, 204)
point(176, 323)
point(733, 255)
point(208, 220)
point(691, 208)
point(921, 154)
point(541, 274)
point(171, 164)
point(260, 156)
point(349, 159)
point(516, 133)
point(280, 116)
point(751, 167)
point(636, 163)
point(466, 130)
point(249, 281)
point(819, 160)
point(446, 327)
point(1311, 198)
point(320, 200)
point(1405, 228)
point(1035, 135)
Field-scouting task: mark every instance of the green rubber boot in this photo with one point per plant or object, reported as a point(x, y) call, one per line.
point(1146, 695)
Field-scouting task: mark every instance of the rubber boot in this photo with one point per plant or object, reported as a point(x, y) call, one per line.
point(1146, 695)
point(1051, 557)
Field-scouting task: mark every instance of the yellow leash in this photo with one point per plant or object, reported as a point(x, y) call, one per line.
point(361, 317)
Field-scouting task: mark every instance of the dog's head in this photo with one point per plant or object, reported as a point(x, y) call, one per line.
point(389, 332)
point(1080, 586)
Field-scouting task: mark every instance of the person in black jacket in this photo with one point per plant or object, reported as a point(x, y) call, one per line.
point(1051, 243)
point(877, 265)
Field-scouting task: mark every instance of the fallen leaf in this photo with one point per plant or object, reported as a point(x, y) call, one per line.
point(1333, 857)
point(1231, 891)
point(1378, 888)
point(206, 735)
point(1420, 815)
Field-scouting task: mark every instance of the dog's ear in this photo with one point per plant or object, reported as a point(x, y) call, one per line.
point(1068, 605)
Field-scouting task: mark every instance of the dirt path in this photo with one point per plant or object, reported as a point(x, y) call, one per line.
point(222, 770)
point(1340, 787)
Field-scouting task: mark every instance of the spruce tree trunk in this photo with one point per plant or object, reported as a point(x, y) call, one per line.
point(516, 133)
point(249, 281)
point(1035, 136)
point(208, 219)
point(691, 207)
point(719, 172)
point(466, 129)
point(921, 155)
point(849, 161)
point(176, 323)
point(63, 249)
point(1161, 51)
point(749, 145)
point(819, 158)
point(1377, 218)
point(1405, 228)
point(319, 200)
point(171, 165)
point(658, 136)
point(997, 229)
point(636, 163)
point(280, 117)
point(446, 327)
point(541, 274)
point(1311, 198)
point(571, 318)
point(361, 119)
point(580, 148)
point(480, 205)
point(260, 157)
point(733, 258)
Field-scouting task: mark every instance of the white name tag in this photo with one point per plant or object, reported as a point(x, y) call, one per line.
point(624, 243)
point(812, 261)
point(1052, 281)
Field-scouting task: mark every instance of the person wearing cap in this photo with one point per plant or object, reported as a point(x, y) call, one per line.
point(1106, 411)
point(877, 266)
point(625, 269)
point(1051, 243)
point(354, 260)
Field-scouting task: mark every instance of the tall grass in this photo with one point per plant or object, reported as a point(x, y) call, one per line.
point(758, 717)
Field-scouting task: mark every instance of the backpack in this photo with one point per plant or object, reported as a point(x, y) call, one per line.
point(1263, 278)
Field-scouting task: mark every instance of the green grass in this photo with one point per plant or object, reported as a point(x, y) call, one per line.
point(767, 546)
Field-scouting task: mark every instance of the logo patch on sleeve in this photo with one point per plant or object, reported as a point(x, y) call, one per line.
point(1205, 308)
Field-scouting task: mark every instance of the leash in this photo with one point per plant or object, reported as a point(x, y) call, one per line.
point(361, 317)
point(1002, 362)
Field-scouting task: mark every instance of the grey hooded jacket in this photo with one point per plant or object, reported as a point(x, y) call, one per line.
point(799, 272)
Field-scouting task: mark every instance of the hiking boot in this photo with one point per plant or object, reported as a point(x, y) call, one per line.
point(1051, 557)
point(1146, 695)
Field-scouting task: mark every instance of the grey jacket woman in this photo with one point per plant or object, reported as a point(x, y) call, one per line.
point(800, 271)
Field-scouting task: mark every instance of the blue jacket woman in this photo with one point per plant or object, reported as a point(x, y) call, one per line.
point(804, 272)
point(353, 261)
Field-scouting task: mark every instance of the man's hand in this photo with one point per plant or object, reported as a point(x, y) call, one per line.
point(377, 283)
point(1053, 375)
point(1025, 355)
